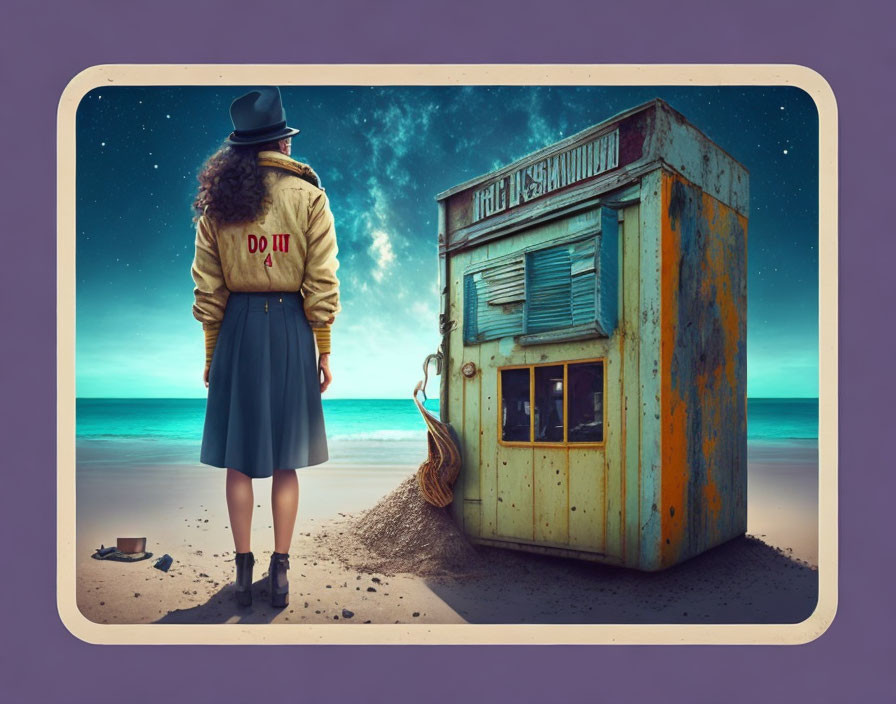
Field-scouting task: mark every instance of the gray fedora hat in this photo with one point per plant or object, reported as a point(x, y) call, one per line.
point(258, 116)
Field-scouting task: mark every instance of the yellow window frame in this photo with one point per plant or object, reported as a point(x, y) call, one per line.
point(565, 443)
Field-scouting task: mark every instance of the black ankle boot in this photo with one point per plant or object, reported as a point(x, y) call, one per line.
point(277, 580)
point(244, 562)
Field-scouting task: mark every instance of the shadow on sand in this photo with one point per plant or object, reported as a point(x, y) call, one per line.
point(222, 608)
point(741, 581)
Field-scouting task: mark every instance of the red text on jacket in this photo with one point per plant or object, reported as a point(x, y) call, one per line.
point(279, 243)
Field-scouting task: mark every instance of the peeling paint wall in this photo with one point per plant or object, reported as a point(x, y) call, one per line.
point(703, 371)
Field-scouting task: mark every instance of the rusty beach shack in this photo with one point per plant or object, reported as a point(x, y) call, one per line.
point(593, 311)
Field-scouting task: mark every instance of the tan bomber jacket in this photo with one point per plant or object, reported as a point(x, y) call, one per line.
point(292, 247)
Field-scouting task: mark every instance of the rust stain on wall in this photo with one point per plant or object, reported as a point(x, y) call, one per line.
point(703, 369)
point(674, 508)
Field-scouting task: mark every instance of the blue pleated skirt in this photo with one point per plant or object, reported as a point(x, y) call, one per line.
point(264, 409)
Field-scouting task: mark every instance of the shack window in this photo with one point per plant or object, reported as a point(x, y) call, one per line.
point(567, 403)
point(515, 423)
point(586, 402)
point(549, 403)
point(545, 293)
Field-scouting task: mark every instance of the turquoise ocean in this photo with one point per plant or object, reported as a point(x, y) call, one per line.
point(146, 432)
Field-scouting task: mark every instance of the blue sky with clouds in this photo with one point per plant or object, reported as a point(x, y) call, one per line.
point(383, 153)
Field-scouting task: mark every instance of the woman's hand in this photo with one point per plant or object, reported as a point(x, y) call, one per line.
point(205, 374)
point(324, 366)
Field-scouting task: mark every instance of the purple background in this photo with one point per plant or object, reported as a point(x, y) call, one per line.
point(42, 46)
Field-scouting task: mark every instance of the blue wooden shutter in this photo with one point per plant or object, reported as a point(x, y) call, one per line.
point(570, 285)
point(549, 295)
point(561, 284)
point(575, 283)
point(607, 303)
point(471, 306)
point(584, 281)
point(493, 301)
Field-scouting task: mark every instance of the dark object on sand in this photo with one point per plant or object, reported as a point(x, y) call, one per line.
point(164, 562)
point(439, 471)
point(119, 556)
point(102, 552)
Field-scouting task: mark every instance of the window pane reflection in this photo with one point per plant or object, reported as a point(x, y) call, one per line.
point(549, 404)
point(515, 404)
point(586, 401)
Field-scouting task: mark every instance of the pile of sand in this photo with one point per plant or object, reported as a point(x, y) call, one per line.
point(402, 533)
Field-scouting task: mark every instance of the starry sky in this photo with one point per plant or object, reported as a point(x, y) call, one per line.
point(383, 153)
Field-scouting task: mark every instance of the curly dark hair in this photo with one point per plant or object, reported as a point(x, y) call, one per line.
point(231, 185)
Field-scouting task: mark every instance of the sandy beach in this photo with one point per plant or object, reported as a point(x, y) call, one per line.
point(768, 576)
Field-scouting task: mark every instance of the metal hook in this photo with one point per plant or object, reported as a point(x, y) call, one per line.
point(445, 328)
point(439, 359)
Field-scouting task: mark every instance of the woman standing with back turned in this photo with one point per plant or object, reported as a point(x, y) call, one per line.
point(265, 291)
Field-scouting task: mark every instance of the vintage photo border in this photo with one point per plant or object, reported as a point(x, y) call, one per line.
point(109, 75)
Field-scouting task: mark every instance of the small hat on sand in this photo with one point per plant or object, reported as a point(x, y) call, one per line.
point(127, 550)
